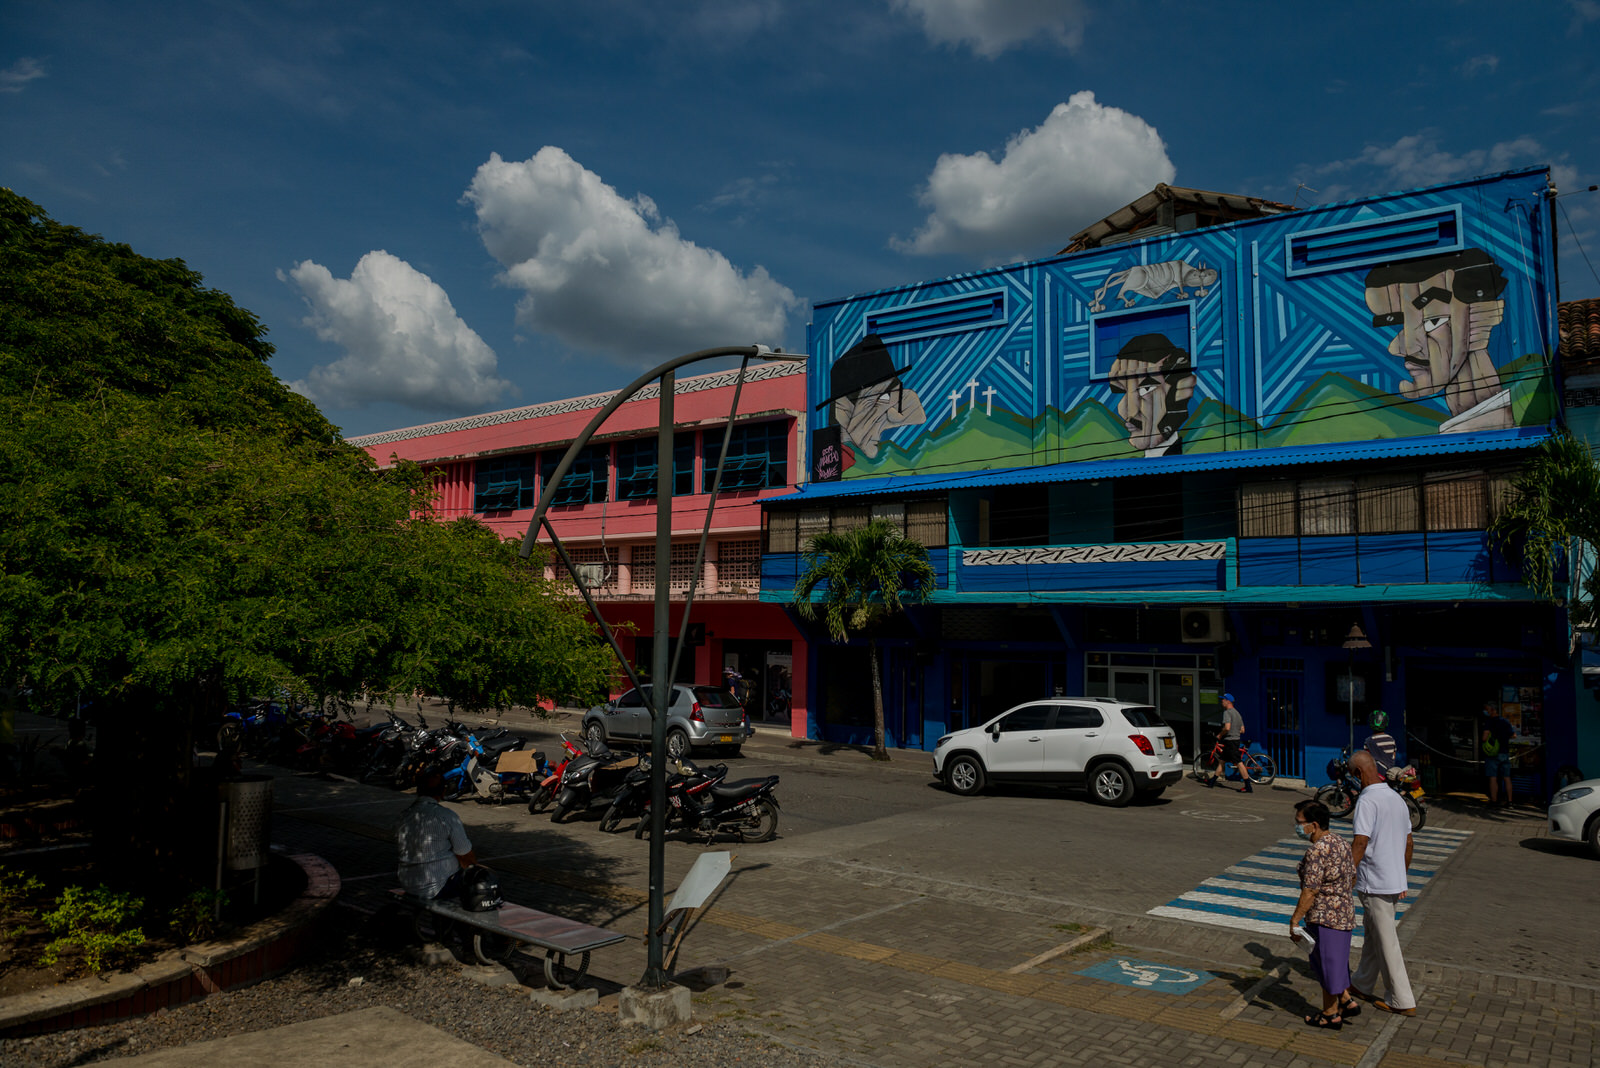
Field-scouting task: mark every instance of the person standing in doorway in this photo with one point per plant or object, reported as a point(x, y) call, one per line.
point(1231, 737)
point(1497, 735)
point(1382, 854)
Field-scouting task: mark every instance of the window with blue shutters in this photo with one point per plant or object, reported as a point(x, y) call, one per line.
point(586, 482)
point(504, 483)
point(636, 467)
point(758, 456)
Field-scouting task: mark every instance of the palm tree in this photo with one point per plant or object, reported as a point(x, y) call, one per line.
point(867, 574)
point(1553, 510)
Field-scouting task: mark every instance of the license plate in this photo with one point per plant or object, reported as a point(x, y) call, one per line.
point(725, 739)
point(1416, 791)
point(1166, 743)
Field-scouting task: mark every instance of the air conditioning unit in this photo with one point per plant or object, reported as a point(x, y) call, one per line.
point(1202, 625)
point(591, 576)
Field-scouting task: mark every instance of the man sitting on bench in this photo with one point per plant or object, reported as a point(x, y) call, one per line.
point(434, 850)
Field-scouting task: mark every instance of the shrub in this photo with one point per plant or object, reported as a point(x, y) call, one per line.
point(16, 887)
point(194, 919)
point(99, 922)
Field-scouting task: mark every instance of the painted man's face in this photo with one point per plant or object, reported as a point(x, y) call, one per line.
point(1443, 342)
point(866, 417)
point(1155, 399)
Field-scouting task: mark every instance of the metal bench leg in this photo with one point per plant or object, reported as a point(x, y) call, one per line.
point(561, 975)
point(491, 948)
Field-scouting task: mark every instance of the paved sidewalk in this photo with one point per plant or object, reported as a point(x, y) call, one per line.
point(896, 968)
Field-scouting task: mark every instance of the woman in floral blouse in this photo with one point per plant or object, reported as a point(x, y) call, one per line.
point(1327, 880)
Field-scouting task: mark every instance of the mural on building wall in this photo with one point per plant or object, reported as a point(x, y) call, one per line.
point(1156, 381)
point(1155, 280)
point(1446, 307)
point(1405, 315)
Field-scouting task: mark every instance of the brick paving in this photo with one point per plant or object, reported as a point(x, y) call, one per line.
point(890, 970)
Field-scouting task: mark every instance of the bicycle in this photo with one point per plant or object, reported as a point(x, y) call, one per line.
point(1258, 766)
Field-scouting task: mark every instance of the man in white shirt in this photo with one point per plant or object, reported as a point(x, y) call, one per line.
point(434, 849)
point(1382, 853)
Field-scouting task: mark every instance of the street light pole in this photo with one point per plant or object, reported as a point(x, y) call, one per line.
point(661, 687)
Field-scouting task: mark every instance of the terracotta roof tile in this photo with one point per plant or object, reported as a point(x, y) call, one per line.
point(1580, 330)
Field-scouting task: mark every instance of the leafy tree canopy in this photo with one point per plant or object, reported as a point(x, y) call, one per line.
point(1552, 513)
point(178, 528)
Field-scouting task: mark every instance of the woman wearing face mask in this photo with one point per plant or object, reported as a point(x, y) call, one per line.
point(1327, 911)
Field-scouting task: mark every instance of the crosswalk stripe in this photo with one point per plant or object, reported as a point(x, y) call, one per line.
point(1259, 892)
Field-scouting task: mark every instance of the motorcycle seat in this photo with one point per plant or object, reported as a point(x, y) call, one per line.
point(733, 791)
point(504, 743)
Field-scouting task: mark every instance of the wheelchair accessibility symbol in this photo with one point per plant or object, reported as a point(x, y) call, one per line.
point(1147, 975)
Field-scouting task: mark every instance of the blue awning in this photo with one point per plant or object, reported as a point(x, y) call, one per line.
point(1440, 445)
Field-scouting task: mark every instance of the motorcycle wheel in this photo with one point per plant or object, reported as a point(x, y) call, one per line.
point(1419, 815)
point(491, 948)
point(560, 814)
point(763, 826)
point(541, 799)
point(1339, 804)
point(612, 819)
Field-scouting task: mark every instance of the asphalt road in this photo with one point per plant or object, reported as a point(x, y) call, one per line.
point(1511, 901)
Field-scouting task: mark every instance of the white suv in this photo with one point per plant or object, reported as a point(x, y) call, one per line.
point(1115, 748)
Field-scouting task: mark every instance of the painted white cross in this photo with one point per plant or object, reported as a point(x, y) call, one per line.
point(955, 398)
point(988, 400)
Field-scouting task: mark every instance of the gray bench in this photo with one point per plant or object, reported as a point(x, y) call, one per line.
point(497, 933)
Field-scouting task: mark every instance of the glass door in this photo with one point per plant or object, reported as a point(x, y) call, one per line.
point(1131, 685)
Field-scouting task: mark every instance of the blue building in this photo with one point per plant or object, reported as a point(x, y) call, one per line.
point(1258, 456)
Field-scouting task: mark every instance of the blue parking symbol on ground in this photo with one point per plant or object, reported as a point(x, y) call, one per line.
point(1146, 975)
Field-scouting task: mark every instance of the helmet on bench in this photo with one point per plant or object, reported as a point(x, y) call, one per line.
point(480, 890)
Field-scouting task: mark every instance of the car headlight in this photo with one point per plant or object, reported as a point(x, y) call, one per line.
point(1572, 794)
point(942, 740)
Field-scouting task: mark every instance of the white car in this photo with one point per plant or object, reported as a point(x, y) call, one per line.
point(1575, 813)
point(1115, 748)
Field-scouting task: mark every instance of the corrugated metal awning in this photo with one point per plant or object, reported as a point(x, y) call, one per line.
point(1443, 445)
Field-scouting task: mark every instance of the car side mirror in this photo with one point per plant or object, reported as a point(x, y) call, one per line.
point(994, 732)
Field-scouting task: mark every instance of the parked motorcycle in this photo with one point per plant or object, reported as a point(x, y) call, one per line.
point(596, 775)
point(478, 777)
point(699, 802)
point(1340, 794)
point(545, 792)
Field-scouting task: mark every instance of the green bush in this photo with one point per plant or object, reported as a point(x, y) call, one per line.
point(99, 922)
point(194, 919)
point(16, 887)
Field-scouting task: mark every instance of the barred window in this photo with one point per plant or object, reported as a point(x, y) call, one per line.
point(683, 569)
point(1327, 506)
point(739, 564)
point(813, 521)
point(850, 517)
point(893, 511)
point(601, 558)
point(1388, 504)
point(1456, 500)
point(926, 522)
point(643, 570)
point(783, 529)
point(1266, 510)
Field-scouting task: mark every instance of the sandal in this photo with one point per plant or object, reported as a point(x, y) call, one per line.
point(1350, 1009)
point(1323, 1020)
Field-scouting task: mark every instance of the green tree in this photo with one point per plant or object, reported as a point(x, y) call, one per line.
point(178, 529)
point(864, 576)
point(1551, 521)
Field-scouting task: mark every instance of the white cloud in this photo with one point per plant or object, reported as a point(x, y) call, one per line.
point(1083, 162)
point(1486, 64)
point(402, 339)
point(1417, 159)
point(611, 275)
point(989, 27)
point(16, 77)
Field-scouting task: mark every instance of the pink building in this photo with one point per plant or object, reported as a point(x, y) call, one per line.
point(494, 467)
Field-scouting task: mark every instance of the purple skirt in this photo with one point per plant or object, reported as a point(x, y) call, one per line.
point(1330, 959)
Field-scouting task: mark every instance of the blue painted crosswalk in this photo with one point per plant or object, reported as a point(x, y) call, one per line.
point(1258, 894)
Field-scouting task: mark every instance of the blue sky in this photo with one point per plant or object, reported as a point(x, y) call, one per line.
point(443, 208)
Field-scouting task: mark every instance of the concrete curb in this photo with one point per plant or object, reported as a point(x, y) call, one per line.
point(262, 950)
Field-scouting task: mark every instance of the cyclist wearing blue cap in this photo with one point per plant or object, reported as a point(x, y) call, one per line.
point(1232, 732)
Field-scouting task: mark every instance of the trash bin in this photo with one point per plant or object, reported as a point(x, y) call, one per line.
point(248, 831)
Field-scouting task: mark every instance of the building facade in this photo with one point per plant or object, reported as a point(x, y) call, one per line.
point(1256, 457)
point(494, 467)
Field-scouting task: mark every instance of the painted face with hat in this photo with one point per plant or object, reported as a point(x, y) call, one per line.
point(868, 397)
point(1156, 381)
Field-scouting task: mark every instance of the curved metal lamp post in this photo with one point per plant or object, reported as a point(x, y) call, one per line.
point(661, 671)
